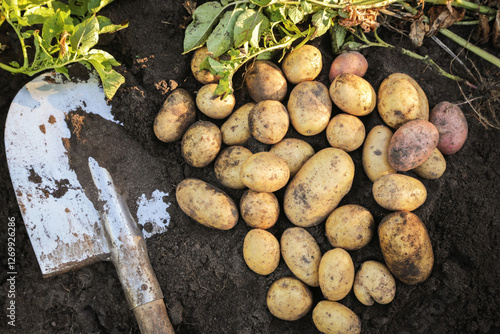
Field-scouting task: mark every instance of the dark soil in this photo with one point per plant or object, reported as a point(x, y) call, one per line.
point(207, 286)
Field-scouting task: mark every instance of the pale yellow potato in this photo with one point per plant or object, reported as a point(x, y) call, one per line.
point(374, 283)
point(310, 107)
point(212, 105)
point(289, 299)
point(201, 143)
point(406, 247)
point(261, 251)
point(228, 164)
point(268, 121)
point(346, 132)
point(301, 254)
point(424, 103)
point(302, 64)
point(376, 151)
point(336, 274)
point(350, 227)
point(259, 209)
point(175, 116)
point(265, 172)
point(334, 318)
point(203, 76)
point(206, 204)
point(432, 168)
point(318, 187)
point(353, 95)
point(235, 130)
point(294, 151)
point(265, 81)
point(398, 192)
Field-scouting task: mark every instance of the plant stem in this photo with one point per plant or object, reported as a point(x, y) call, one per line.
point(467, 5)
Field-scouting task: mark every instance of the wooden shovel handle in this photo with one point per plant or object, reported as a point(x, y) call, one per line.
point(153, 319)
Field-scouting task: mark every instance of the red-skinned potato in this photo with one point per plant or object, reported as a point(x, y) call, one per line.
point(452, 126)
point(348, 62)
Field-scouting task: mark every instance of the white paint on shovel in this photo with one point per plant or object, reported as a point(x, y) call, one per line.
point(154, 212)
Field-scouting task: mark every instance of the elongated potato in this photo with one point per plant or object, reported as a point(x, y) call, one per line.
point(206, 204)
point(374, 283)
point(261, 251)
point(258, 209)
point(212, 105)
point(302, 64)
point(376, 151)
point(432, 168)
point(353, 94)
point(294, 151)
point(334, 318)
point(398, 192)
point(452, 126)
point(201, 143)
point(236, 131)
point(265, 172)
point(228, 165)
point(289, 299)
point(268, 121)
point(265, 81)
point(336, 274)
point(350, 227)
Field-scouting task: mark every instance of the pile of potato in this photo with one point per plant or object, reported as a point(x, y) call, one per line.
point(316, 182)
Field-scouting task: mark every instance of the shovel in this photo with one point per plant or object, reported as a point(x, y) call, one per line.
point(68, 228)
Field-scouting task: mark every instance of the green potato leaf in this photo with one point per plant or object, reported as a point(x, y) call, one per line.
point(106, 26)
point(205, 18)
point(322, 21)
point(296, 14)
point(222, 37)
point(103, 62)
point(86, 35)
point(338, 34)
point(249, 27)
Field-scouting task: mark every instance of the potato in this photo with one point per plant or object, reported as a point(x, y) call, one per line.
point(310, 107)
point(432, 168)
point(374, 283)
point(348, 62)
point(346, 132)
point(236, 131)
point(301, 254)
point(201, 143)
point(228, 164)
point(206, 204)
point(376, 151)
point(289, 299)
point(258, 209)
point(350, 227)
point(398, 192)
point(203, 76)
point(302, 64)
point(261, 251)
point(294, 151)
point(175, 116)
point(353, 95)
point(265, 81)
point(412, 144)
point(452, 126)
point(265, 172)
point(212, 105)
point(268, 121)
point(334, 318)
point(318, 187)
point(336, 274)
point(401, 99)
point(406, 247)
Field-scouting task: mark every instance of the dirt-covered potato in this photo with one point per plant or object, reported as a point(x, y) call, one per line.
point(235, 130)
point(265, 81)
point(228, 164)
point(376, 151)
point(398, 192)
point(348, 62)
point(346, 132)
point(201, 143)
point(294, 151)
point(212, 105)
point(203, 76)
point(268, 121)
point(175, 116)
point(452, 126)
point(336, 274)
point(310, 107)
point(301, 254)
point(265, 172)
point(374, 283)
point(406, 247)
point(207, 204)
point(318, 187)
point(289, 299)
point(302, 64)
point(334, 318)
point(432, 168)
point(261, 251)
point(353, 95)
point(350, 227)
point(259, 209)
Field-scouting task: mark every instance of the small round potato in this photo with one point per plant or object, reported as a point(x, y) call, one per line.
point(350, 227)
point(203, 76)
point(334, 318)
point(268, 121)
point(294, 151)
point(398, 192)
point(374, 283)
point(175, 116)
point(261, 251)
point(353, 95)
point(302, 64)
point(228, 164)
point(310, 107)
point(235, 131)
point(289, 299)
point(375, 152)
point(452, 126)
point(265, 81)
point(336, 274)
point(301, 254)
point(259, 210)
point(432, 168)
point(212, 105)
point(265, 172)
point(346, 132)
point(348, 62)
point(201, 143)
